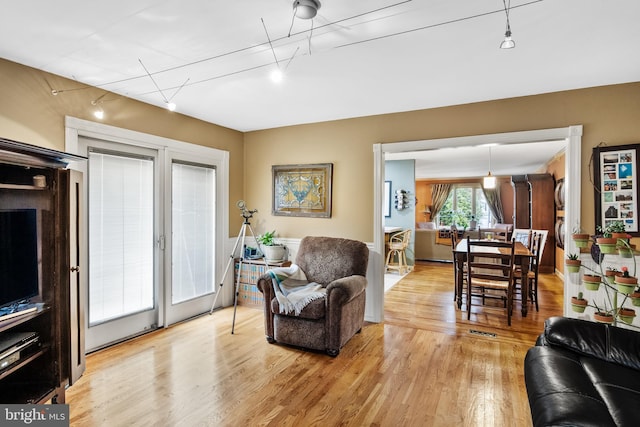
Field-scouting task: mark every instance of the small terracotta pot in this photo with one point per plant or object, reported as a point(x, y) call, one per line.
point(635, 298)
point(578, 305)
point(626, 285)
point(626, 252)
point(591, 282)
point(603, 317)
point(627, 315)
point(581, 239)
point(607, 244)
point(573, 265)
point(620, 236)
point(610, 275)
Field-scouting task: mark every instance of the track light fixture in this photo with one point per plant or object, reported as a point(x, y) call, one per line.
point(98, 112)
point(306, 9)
point(508, 42)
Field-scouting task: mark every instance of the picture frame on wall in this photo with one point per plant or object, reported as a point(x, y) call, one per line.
point(616, 186)
point(387, 199)
point(302, 190)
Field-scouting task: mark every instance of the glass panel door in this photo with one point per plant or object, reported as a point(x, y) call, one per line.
point(192, 239)
point(122, 269)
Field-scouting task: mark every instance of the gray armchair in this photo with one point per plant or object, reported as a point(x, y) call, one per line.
point(326, 324)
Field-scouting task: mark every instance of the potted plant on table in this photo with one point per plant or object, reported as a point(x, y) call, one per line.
point(273, 251)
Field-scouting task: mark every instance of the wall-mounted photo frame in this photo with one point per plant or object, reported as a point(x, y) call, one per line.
point(302, 190)
point(616, 186)
point(387, 199)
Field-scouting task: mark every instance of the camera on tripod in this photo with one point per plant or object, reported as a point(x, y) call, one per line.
point(246, 213)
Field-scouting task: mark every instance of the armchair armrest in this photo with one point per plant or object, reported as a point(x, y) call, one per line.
point(343, 290)
point(265, 285)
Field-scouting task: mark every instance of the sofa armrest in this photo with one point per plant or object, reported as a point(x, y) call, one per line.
point(605, 342)
point(560, 392)
point(343, 290)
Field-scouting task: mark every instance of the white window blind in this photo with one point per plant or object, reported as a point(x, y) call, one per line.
point(121, 246)
point(193, 231)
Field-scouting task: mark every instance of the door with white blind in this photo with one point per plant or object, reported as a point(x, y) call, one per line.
point(123, 221)
point(190, 252)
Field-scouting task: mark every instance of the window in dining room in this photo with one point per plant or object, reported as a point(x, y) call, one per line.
point(464, 202)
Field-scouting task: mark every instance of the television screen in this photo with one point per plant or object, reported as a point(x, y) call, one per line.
point(18, 255)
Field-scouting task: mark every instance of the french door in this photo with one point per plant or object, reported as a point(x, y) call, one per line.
point(191, 243)
point(151, 239)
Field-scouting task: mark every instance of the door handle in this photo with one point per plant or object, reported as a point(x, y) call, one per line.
point(75, 269)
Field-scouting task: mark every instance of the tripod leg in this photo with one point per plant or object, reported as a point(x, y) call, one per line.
point(229, 264)
point(237, 290)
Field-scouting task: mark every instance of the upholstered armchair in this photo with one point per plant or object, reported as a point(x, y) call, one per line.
point(327, 323)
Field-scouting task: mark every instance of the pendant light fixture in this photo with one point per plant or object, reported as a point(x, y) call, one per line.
point(508, 42)
point(489, 181)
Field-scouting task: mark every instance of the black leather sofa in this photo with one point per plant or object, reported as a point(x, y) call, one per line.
point(582, 373)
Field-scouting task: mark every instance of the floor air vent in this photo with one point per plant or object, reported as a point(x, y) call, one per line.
point(484, 334)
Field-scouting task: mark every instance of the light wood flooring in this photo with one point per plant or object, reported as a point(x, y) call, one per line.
point(421, 367)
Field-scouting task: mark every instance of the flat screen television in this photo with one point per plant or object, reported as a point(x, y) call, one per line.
point(18, 256)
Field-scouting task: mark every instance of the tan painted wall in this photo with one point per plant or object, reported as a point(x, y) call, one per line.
point(30, 113)
point(607, 113)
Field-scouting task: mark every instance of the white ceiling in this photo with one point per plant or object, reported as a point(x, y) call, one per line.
point(408, 55)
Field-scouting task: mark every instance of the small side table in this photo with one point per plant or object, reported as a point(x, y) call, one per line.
point(252, 269)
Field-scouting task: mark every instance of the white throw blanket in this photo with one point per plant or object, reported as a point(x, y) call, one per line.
point(293, 290)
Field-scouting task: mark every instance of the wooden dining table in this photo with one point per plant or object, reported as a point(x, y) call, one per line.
point(522, 257)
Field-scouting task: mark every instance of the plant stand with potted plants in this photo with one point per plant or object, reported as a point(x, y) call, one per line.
point(616, 287)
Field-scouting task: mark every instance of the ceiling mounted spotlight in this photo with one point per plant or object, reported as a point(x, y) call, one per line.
point(508, 42)
point(306, 9)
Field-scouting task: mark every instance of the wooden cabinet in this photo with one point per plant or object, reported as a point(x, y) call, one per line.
point(252, 269)
point(534, 208)
point(34, 179)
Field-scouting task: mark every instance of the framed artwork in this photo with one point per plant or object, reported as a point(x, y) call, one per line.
point(302, 190)
point(387, 199)
point(616, 186)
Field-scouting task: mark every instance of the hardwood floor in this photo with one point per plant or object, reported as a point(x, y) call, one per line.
point(421, 367)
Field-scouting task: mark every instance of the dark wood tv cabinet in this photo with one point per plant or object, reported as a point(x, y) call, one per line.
point(36, 178)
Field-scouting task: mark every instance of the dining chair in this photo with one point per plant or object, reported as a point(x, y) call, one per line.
point(457, 268)
point(536, 250)
point(398, 244)
point(490, 267)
